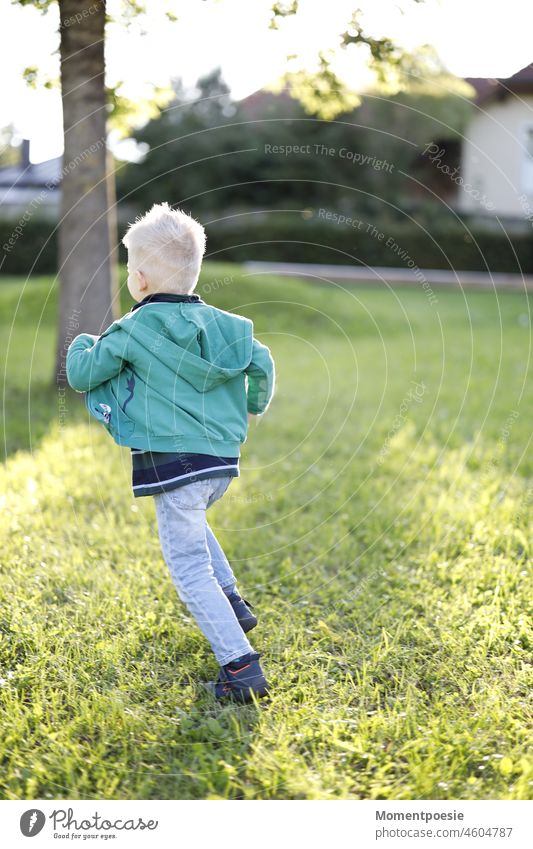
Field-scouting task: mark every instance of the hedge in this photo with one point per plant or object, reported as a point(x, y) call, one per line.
point(291, 237)
point(28, 245)
point(298, 240)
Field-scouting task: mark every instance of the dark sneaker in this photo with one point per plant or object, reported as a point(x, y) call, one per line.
point(243, 612)
point(241, 680)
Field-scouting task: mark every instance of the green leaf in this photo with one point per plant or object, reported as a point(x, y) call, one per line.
point(506, 766)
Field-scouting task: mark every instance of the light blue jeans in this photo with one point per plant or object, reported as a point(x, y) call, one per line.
point(199, 568)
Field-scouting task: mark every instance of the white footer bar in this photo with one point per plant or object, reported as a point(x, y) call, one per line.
point(262, 825)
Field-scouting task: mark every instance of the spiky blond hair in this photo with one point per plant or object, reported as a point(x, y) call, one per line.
point(168, 246)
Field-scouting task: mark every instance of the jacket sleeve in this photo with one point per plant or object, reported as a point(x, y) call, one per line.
point(91, 360)
point(261, 378)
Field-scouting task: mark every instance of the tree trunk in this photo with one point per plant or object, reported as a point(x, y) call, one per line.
point(87, 232)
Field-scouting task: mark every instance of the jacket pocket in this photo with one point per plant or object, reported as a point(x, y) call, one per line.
point(103, 404)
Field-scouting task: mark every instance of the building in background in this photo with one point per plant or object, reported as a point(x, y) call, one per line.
point(26, 187)
point(497, 150)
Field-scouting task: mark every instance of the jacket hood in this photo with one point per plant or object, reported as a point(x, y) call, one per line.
point(226, 345)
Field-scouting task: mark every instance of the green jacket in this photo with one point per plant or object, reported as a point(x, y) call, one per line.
point(174, 374)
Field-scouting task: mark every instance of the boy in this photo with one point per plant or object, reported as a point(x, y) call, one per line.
point(174, 380)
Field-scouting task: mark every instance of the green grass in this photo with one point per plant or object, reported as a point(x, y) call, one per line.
point(383, 537)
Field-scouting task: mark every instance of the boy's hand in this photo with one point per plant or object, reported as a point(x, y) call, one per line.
point(251, 418)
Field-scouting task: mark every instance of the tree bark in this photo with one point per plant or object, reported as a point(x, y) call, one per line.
point(88, 266)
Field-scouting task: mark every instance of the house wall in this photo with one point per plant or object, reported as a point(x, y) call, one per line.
point(17, 201)
point(496, 167)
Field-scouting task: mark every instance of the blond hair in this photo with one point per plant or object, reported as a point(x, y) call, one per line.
point(168, 246)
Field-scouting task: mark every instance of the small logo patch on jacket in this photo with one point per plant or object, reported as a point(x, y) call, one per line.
point(106, 410)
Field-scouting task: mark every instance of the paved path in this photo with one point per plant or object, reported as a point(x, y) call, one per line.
point(395, 276)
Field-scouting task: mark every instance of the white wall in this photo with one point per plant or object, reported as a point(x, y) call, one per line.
point(17, 201)
point(495, 165)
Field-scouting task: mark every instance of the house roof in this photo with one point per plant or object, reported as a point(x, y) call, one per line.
point(37, 176)
point(261, 102)
point(498, 89)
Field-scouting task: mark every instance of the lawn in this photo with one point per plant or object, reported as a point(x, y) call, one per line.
point(380, 526)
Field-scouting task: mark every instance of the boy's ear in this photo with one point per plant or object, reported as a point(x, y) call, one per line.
point(143, 283)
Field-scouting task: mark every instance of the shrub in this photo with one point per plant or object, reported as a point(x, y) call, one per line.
point(294, 239)
point(28, 246)
point(291, 237)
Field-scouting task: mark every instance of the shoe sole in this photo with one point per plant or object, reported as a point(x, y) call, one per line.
point(245, 697)
point(239, 697)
